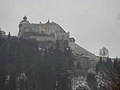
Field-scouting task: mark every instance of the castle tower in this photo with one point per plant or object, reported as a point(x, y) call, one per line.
point(22, 24)
point(24, 21)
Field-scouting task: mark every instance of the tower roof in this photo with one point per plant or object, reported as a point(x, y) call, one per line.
point(25, 18)
point(24, 21)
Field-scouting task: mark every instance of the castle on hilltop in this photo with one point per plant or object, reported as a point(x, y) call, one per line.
point(47, 34)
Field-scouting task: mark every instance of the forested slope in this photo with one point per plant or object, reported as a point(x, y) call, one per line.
point(24, 66)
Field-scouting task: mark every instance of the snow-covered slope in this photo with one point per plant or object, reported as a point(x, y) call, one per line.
point(81, 51)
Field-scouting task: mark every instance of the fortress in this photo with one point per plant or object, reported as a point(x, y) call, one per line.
point(42, 32)
point(49, 33)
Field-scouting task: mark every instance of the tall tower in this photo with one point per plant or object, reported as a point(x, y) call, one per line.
point(22, 24)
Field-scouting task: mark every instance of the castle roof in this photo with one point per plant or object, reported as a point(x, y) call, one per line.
point(24, 21)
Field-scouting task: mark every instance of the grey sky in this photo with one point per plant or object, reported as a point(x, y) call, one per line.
point(93, 23)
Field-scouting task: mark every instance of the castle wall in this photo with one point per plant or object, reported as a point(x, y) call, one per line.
point(46, 30)
point(44, 38)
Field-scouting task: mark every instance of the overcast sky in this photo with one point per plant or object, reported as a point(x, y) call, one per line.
point(93, 23)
